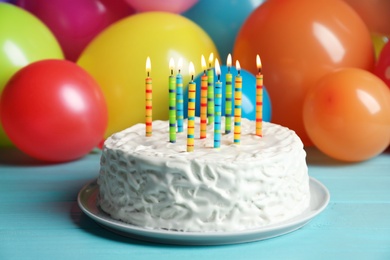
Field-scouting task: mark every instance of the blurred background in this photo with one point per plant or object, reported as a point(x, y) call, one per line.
point(72, 72)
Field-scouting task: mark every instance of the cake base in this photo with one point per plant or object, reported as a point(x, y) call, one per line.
point(87, 202)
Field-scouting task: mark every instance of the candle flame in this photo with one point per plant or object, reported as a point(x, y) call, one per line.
point(191, 69)
point(203, 61)
point(229, 60)
point(180, 64)
point(217, 68)
point(211, 59)
point(171, 65)
point(148, 65)
point(258, 63)
point(238, 67)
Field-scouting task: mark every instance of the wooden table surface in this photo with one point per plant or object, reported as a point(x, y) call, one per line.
point(40, 217)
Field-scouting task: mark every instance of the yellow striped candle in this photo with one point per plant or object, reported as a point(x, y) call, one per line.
point(228, 96)
point(218, 107)
point(148, 99)
point(203, 101)
point(179, 98)
point(210, 90)
point(259, 99)
point(172, 103)
point(237, 105)
point(191, 110)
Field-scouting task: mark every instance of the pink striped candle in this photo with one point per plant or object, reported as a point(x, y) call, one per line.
point(259, 98)
point(203, 100)
point(148, 99)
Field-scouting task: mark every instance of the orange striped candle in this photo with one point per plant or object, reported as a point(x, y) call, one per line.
point(259, 99)
point(148, 99)
point(203, 101)
point(237, 105)
point(191, 110)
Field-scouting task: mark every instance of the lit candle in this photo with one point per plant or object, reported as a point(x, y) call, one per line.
point(218, 107)
point(203, 101)
point(259, 98)
point(172, 103)
point(191, 110)
point(148, 99)
point(179, 97)
point(237, 105)
point(210, 90)
point(228, 96)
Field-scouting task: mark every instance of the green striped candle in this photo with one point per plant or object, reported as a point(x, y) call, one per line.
point(210, 91)
point(228, 96)
point(172, 103)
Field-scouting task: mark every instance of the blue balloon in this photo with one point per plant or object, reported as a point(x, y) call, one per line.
point(222, 20)
point(248, 95)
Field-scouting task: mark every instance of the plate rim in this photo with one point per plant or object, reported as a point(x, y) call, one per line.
point(213, 238)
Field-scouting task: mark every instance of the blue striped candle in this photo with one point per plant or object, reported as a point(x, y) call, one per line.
point(179, 98)
point(217, 107)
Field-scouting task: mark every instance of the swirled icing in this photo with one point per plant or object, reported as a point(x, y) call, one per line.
point(152, 183)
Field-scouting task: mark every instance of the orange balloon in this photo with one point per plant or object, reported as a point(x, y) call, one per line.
point(300, 41)
point(375, 13)
point(347, 115)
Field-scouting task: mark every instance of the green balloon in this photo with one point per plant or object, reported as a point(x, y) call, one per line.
point(23, 39)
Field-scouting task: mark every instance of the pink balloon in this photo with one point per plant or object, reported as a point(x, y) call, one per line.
point(173, 6)
point(75, 23)
point(382, 68)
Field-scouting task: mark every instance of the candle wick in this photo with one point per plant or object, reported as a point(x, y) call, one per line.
point(192, 77)
point(260, 70)
point(171, 72)
point(148, 74)
point(219, 77)
point(228, 69)
point(179, 71)
point(239, 72)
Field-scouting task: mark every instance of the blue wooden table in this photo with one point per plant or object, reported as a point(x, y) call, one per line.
point(40, 217)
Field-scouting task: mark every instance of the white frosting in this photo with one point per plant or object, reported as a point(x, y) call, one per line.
point(150, 182)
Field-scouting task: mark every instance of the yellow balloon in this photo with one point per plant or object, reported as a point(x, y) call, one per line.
point(116, 58)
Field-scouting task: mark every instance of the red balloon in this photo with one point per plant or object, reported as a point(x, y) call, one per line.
point(53, 111)
point(300, 41)
point(76, 23)
point(382, 68)
point(347, 115)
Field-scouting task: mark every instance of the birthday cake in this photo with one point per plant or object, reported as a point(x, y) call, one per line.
point(152, 183)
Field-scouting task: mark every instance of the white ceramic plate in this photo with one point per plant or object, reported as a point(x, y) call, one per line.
point(87, 202)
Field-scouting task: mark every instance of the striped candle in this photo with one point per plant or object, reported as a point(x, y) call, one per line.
point(148, 100)
point(191, 110)
point(210, 90)
point(259, 99)
point(237, 105)
point(179, 98)
point(172, 103)
point(218, 107)
point(203, 101)
point(228, 96)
